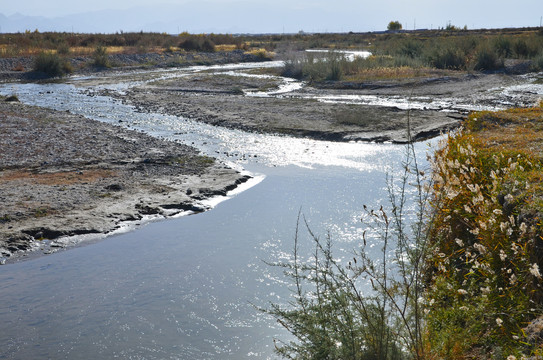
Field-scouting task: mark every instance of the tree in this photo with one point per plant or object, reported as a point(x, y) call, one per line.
point(394, 26)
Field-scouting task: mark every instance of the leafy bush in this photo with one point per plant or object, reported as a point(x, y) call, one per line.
point(411, 48)
point(100, 57)
point(51, 64)
point(197, 43)
point(538, 62)
point(503, 47)
point(207, 46)
point(447, 58)
point(487, 59)
point(293, 68)
point(521, 48)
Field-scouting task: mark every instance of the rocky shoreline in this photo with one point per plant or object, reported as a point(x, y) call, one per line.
point(63, 175)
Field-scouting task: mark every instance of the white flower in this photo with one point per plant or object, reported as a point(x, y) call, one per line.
point(451, 194)
point(534, 270)
point(497, 212)
point(499, 321)
point(523, 228)
point(509, 198)
point(462, 292)
point(479, 248)
point(459, 242)
point(512, 357)
point(513, 279)
point(503, 255)
point(477, 199)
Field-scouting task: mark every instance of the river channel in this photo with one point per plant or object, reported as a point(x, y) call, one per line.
point(186, 288)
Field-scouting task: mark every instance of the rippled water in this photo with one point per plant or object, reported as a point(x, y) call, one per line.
point(185, 288)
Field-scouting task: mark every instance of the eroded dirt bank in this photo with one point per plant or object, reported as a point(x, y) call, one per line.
point(63, 174)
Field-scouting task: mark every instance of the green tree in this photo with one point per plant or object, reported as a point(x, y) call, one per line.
point(394, 25)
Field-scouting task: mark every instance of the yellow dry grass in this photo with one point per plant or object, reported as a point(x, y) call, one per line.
point(226, 47)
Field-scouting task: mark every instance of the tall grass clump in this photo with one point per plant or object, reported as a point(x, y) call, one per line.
point(51, 64)
point(315, 69)
point(100, 57)
point(365, 307)
point(538, 62)
point(197, 43)
point(484, 278)
point(486, 58)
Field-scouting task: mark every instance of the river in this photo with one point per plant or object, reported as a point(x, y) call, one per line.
point(186, 288)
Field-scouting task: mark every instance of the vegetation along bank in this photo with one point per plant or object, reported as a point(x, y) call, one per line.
point(485, 290)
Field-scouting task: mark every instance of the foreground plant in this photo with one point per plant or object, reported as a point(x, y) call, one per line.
point(368, 308)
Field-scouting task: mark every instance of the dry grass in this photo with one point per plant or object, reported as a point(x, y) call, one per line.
point(226, 47)
point(519, 129)
point(404, 72)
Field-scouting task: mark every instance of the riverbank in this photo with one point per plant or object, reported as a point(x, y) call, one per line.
point(486, 238)
point(63, 175)
point(376, 111)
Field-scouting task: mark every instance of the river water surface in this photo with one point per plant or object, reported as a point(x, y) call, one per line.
point(186, 288)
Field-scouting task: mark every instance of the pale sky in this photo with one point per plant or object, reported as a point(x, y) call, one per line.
point(262, 16)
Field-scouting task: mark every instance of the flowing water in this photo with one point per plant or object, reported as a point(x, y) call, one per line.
point(186, 288)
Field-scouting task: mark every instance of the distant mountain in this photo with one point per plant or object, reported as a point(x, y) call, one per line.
point(199, 17)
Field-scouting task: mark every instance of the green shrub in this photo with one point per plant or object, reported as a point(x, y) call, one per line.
point(537, 64)
point(447, 58)
point(293, 68)
point(50, 64)
point(207, 46)
point(487, 59)
point(100, 57)
point(411, 48)
point(521, 48)
point(63, 49)
point(197, 43)
point(503, 46)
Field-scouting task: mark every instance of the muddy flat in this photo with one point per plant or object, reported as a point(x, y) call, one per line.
point(254, 104)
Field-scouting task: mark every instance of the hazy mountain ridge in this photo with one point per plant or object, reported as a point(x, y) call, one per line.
point(196, 17)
